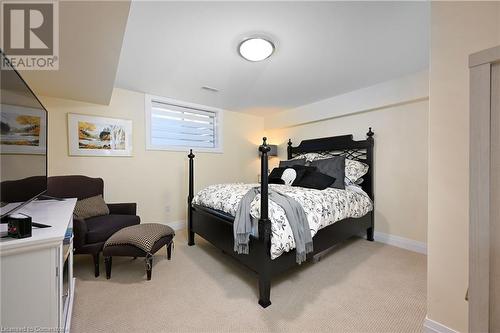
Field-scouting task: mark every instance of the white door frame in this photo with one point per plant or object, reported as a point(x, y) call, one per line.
point(479, 187)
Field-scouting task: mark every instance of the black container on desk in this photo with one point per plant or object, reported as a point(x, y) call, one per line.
point(19, 226)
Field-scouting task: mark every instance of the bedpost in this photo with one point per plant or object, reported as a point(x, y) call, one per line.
point(289, 149)
point(264, 228)
point(264, 224)
point(264, 149)
point(369, 157)
point(369, 160)
point(370, 134)
point(190, 198)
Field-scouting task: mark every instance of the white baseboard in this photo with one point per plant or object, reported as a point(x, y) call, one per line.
point(431, 326)
point(177, 225)
point(404, 243)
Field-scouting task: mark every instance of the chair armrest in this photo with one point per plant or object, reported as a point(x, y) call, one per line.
point(79, 232)
point(123, 208)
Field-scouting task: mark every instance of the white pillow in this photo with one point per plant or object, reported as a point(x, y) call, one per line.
point(289, 176)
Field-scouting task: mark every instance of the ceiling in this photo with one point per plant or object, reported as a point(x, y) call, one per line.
point(90, 40)
point(323, 49)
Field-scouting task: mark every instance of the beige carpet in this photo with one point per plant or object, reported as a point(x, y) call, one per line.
point(360, 286)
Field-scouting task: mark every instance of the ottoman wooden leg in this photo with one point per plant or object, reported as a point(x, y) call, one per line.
point(108, 262)
point(149, 265)
point(169, 250)
point(95, 256)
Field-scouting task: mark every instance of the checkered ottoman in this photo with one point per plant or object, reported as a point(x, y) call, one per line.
point(142, 240)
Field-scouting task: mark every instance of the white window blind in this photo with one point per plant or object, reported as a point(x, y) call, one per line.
point(174, 125)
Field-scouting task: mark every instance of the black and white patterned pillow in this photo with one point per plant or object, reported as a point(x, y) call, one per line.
point(309, 157)
point(354, 170)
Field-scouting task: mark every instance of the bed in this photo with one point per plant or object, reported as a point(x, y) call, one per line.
point(211, 216)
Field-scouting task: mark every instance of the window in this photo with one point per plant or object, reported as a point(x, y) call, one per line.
point(174, 125)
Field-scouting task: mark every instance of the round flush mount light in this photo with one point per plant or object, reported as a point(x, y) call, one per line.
point(256, 49)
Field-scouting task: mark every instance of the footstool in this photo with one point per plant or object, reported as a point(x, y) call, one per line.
point(141, 240)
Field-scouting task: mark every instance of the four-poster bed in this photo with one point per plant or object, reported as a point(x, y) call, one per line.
point(217, 227)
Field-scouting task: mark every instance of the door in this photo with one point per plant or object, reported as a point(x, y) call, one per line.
point(484, 231)
point(495, 201)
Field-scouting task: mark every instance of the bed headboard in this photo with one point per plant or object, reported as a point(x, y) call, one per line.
point(342, 145)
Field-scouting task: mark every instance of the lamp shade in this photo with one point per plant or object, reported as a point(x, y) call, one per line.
point(273, 151)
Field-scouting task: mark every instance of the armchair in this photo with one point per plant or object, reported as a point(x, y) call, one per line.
point(90, 234)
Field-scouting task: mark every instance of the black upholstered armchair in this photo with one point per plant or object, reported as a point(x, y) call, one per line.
point(91, 234)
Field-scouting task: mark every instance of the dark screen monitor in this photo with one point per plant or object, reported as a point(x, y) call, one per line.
point(23, 141)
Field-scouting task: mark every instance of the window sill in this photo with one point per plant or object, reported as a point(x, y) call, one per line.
point(186, 149)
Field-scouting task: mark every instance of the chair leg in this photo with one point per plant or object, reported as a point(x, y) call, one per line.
point(169, 250)
point(96, 264)
point(149, 265)
point(264, 291)
point(369, 234)
point(108, 261)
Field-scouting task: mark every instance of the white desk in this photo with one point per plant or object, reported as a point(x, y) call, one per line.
point(36, 288)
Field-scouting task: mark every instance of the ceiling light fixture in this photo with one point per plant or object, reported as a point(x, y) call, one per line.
point(256, 49)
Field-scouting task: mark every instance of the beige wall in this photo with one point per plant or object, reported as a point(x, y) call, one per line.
point(457, 30)
point(156, 180)
point(400, 161)
point(413, 87)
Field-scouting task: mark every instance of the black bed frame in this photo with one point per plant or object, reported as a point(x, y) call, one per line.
point(217, 227)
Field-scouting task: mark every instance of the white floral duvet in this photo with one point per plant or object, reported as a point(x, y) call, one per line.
point(322, 208)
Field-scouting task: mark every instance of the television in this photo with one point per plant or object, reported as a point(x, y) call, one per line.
point(23, 141)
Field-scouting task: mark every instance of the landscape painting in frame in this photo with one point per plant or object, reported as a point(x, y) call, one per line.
point(99, 136)
point(23, 130)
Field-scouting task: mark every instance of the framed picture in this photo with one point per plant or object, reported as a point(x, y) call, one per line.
point(23, 130)
point(99, 136)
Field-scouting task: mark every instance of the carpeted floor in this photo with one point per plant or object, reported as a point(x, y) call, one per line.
point(360, 286)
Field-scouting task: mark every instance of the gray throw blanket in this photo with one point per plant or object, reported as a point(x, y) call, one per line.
point(294, 213)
